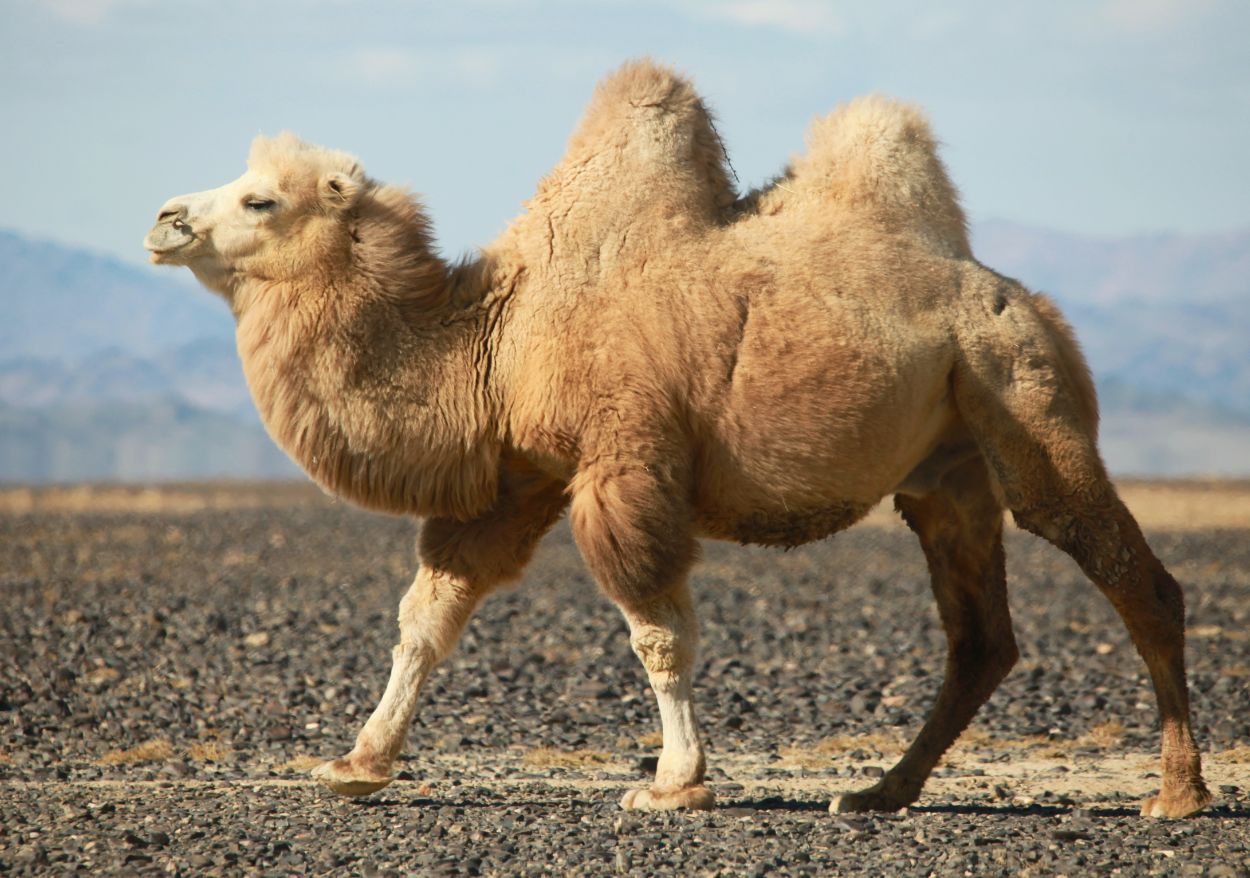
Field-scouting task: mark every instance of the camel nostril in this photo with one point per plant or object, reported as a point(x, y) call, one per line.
point(177, 211)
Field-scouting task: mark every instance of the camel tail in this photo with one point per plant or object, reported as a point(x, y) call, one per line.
point(1073, 368)
point(879, 155)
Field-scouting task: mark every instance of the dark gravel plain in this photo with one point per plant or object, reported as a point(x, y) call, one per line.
point(166, 678)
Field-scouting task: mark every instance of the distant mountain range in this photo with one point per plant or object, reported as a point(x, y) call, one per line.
point(113, 372)
point(66, 304)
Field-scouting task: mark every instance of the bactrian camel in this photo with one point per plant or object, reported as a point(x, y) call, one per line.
point(669, 362)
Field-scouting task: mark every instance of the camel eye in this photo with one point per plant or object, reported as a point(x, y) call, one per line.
point(260, 203)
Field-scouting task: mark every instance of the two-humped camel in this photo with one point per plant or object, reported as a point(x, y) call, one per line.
point(671, 363)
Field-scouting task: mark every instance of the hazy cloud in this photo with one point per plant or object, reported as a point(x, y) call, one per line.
point(84, 12)
point(795, 16)
point(1152, 16)
point(395, 67)
point(384, 66)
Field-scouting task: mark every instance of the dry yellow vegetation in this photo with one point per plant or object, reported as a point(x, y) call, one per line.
point(549, 757)
point(208, 751)
point(298, 764)
point(152, 751)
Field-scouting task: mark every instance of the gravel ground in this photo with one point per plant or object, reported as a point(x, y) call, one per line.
point(167, 679)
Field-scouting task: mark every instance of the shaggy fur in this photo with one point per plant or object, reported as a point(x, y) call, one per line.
point(670, 362)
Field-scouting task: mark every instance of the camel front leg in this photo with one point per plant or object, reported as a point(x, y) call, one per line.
point(632, 524)
point(461, 562)
point(431, 616)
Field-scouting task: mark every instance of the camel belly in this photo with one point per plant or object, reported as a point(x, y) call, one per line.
point(818, 426)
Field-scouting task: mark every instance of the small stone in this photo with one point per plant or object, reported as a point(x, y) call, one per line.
point(1070, 835)
point(626, 825)
point(33, 854)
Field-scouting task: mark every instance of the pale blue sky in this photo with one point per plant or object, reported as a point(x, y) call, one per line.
point(1095, 116)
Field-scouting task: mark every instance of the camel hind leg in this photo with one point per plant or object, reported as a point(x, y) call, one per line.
point(1020, 388)
point(960, 527)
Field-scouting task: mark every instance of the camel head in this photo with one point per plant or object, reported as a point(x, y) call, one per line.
point(287, 215)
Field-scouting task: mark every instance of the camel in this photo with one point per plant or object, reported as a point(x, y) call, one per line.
point(668, 362)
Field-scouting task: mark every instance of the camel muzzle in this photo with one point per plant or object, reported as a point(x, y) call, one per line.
point(170, 233)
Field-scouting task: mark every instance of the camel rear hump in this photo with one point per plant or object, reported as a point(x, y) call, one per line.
point(878, 155)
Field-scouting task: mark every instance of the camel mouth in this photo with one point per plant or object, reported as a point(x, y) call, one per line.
point(167, 240)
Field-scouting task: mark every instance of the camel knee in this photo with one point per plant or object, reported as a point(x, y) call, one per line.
point(668, 656)
point(664, 634)
point(434, 612)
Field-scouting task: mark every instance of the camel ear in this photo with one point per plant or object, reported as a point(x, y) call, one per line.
point(338, 191)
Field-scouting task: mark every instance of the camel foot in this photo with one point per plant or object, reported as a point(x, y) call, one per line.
point(696, 798)
point(1189, 800)
point(875, 798)
point(346, 778)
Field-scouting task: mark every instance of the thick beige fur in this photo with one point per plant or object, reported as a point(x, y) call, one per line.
point(671, 362)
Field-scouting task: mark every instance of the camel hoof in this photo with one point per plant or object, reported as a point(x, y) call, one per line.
point(1189, 801)
point(871, 799)
point(343, 777)
point(697, 798)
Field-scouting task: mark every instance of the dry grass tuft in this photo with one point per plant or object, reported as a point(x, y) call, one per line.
point(822, 754)
point(547, 757)
point(886, 744)
point(298, 764)
point(652, 739)
point(1051, 751)
point(976, 739)
point(804, 758)
point(1102, 735)
point(152, 751)
point(210, 751)
point(1239, 754)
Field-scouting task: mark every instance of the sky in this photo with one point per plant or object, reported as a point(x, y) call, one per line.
point(1101, 117)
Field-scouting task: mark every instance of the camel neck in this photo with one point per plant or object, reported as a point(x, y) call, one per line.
point(382, 403)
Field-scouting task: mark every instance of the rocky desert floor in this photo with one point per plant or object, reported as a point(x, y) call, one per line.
point(174, 659)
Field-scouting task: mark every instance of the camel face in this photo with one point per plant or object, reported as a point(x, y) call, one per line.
point(276, 207)
point(227, 223)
